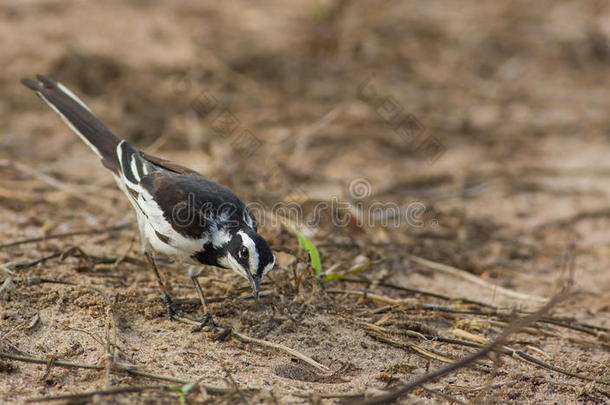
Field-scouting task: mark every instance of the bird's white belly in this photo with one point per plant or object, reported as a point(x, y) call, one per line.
point(153, 224)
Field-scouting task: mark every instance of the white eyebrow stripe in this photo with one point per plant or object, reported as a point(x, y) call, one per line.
point(269, 267)
point(253, 258)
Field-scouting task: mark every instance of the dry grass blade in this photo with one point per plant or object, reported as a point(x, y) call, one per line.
point(117, 367)
point(68, 189)
point(379, 298)
point(407, 345)
point(133, 370)
point(474, 279)
point(65, 235)
point(89, 394)
point(292, 352)
point(500, 340)
point(58, 363)
point(264, 343)
point(443, 396)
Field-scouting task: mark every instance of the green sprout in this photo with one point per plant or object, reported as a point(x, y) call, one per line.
point(311, 249)
point(182, 390)
point(353, 270)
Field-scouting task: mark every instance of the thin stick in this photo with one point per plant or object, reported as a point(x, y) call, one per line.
point(58, 363)
point(443, 395)
point(278, 346)
point(31, 262)
point(474, 279)
point(68, 189)
point(130, 369)
point(526, 357)
point(565, 323)
point(378, 332)
point(377, 297)
point(124, 368)
point(65, 235)
point(89, 394)
point(500, 340)
point(397, 287)
point(292, 352)
point(412, 346)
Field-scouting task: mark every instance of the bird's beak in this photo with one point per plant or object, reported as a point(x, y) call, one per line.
point(254, 283)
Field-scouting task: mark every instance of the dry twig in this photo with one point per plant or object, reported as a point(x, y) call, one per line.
point(474, 279)
point(500, 340)
point(89, 394)
point(65, 235)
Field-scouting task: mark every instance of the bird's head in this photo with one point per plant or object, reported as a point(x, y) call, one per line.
point(249, 255)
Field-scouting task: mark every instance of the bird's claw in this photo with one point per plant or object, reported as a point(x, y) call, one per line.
point(206, 319)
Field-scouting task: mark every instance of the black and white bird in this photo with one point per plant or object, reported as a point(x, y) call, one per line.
point(180, 213)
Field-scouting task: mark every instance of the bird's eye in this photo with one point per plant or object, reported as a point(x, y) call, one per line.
point(243, 252)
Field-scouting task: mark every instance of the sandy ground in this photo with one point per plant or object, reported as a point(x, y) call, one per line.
point(487, 124)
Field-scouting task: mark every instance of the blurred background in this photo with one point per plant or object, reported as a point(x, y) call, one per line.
point(493, 116)
point(486, 124)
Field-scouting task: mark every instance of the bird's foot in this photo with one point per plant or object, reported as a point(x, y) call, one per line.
point(204, 320)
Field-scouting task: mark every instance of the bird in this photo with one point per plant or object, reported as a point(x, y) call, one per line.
point(180, 213)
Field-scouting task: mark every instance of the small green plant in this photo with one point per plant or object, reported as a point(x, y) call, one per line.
point(353, 270)
point(314, 255)
point(182, 391)
point(316, 263)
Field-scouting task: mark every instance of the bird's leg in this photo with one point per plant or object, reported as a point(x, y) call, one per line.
point(172, 309)
point(207, 318)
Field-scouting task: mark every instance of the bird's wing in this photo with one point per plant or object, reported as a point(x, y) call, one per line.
point(168, 165)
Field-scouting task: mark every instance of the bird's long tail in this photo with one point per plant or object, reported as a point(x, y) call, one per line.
point(79, 118)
